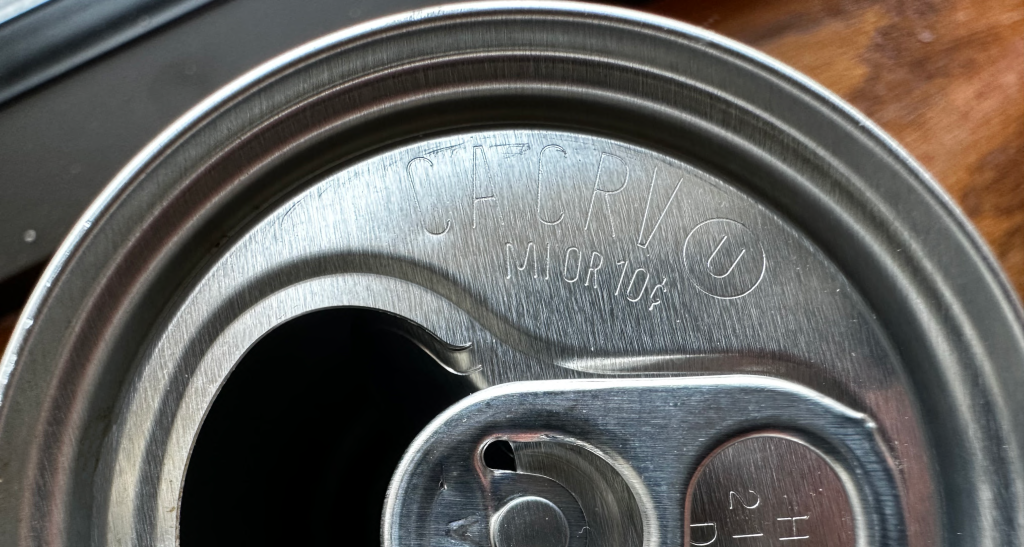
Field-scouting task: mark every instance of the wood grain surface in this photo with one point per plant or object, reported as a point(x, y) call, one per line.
point(944, 77)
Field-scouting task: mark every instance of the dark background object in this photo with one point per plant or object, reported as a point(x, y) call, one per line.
point(63, 141)
point(272, 467)
point(59, 35)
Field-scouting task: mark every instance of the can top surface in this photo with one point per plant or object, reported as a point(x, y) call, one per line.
point(551, 190)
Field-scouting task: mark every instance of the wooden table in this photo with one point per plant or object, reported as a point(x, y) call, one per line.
point(944, 77)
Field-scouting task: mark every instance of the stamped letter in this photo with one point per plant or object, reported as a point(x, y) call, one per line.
point(483, 191)
point(793, 520)
point(642, 241)
point(632, 282)
point(541, 173)
point(612, 178)
point(418, 163)
point(734, 497)
point(572, 255)
point(510, 259)
point(622, 276)
point(659, 287)
point(596, 261)
point(547, 262)
point(714, 529)
point(731, 267)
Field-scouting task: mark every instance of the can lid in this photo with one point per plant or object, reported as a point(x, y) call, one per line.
point(542, 191)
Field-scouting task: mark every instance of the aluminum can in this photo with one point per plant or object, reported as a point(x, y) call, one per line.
point(535, 273)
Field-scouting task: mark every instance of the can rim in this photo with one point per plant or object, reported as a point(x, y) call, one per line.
point(806, 91)
point(181, 126)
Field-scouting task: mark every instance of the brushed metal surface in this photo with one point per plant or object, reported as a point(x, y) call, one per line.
point(769, 488)
point(543, 254)
point(529, 521)
point(61, 143)
point(553, 191)
point(653, 434)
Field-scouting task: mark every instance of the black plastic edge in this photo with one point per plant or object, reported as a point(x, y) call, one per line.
point(60, 35)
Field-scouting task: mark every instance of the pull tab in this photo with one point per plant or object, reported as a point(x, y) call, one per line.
point(639, 462)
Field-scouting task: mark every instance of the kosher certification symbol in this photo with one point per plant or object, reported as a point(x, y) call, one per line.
point(724, 259)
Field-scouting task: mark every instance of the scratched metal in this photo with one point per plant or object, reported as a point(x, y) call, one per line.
point(531, 521)
point(546, 255)
point(653, 435)
point(769, 489)
point(552, 191)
